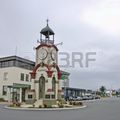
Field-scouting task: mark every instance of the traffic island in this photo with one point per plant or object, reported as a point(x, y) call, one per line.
point(67, 106)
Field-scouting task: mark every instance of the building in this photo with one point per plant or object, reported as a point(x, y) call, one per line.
point(46, 75)
point(15, 77)
point(76, 92)
point(15, 74)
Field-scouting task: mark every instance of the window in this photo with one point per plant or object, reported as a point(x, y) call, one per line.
point(47, 96)
point(22, 77)
point(11, 63)
point(30, 96)
point(4, 90)
point(5, 76)
point(27, 77)
point(24, 65)
point(4, 64)
point(53, 96)
point(0, 64)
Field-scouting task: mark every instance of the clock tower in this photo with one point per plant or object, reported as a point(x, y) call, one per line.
point(46, 75)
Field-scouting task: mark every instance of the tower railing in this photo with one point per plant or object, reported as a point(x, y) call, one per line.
point(47, 41)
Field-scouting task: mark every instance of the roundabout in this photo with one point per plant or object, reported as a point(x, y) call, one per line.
point(45, 109)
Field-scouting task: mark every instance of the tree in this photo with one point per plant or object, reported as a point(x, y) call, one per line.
point(102, 89)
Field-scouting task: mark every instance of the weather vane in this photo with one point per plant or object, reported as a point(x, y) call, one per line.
point(47, 21)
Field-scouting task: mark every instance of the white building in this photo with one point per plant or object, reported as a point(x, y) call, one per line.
point(15, 77)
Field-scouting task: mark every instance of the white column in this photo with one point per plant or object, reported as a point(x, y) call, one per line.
point(9, 95)
point(20, 99)
point(33, 84)
point(56, 91)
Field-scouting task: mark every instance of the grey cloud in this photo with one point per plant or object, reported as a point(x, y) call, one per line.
point(21, 22)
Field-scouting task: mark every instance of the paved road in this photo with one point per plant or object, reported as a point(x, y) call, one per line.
point(108, 109)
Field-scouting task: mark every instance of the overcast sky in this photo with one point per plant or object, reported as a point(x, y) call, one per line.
point(82, 25)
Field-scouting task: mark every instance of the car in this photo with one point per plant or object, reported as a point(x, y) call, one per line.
point(118, 95)
point(85, 97)
point(97, 97)
point(88, 97)
point(71, 98)
point(79, 98)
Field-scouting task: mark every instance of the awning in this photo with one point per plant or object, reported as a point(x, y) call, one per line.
point(16, 85)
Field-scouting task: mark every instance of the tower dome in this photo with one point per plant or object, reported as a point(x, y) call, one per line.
point(47, 32)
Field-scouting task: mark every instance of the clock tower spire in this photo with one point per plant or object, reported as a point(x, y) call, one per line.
point(47, 35)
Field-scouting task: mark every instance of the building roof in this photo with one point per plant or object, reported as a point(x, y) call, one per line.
point(2, 59)
point(47, 30)
point(15, 61)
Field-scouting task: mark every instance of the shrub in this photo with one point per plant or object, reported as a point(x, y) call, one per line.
point(70, 103)
point(60, 105)
point(76, 103)
point(16, 104)
point(80, 103)
point(2, 100)
point(40, 106)
point(33, 105)
point(45, 105)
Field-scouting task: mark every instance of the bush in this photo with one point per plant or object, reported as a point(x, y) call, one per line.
point(33, 105)
point(40, 106)
point(2, 100)
point(60, 104)
point(76, 103)
point(80, 103)
point(16, 104)
point(70, 103)
point(45, 105)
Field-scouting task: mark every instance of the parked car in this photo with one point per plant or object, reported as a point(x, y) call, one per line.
point(79, 98)
point(71, 98)
point(97, 97)
point(118, 95)
point(85, 97)
point(88, 97)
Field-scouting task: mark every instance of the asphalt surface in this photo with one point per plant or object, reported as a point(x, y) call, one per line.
point(108, 109)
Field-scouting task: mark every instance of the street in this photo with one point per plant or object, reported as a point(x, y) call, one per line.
point(107, 109)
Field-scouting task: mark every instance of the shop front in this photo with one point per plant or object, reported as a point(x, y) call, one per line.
point(17, 92)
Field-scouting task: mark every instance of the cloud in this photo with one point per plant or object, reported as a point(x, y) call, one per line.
point(105, 15)
point(82, 25)
point(93, 80)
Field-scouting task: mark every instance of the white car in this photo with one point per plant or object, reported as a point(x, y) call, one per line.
point(79, 98)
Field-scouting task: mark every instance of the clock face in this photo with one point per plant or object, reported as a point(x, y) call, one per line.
point(43, 53)
point(53, 55)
